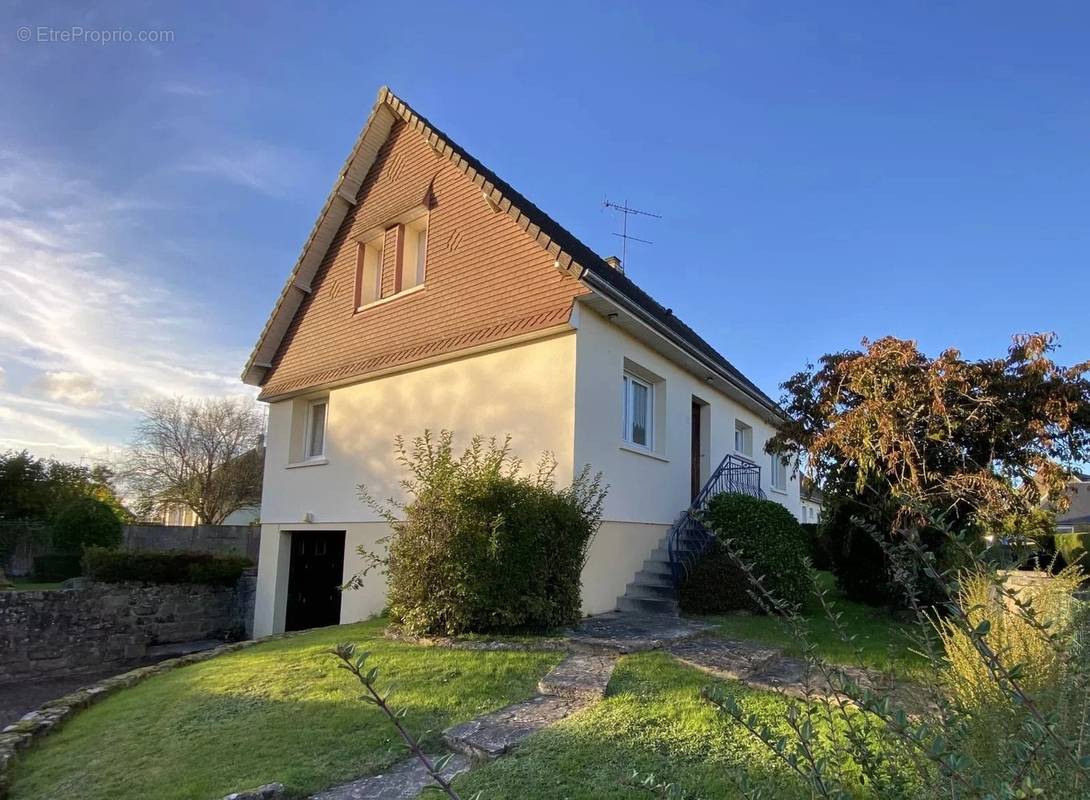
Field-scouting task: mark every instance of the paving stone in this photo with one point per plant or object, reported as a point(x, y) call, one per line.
point(724, 658)
point(494, 734)
point(270, 791)
point(624, 632)
point(580, 676)
point(403, 782)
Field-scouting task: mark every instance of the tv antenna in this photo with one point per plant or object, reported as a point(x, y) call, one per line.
point(627, 211)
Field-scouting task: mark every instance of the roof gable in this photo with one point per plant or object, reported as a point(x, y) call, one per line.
point(570, 255)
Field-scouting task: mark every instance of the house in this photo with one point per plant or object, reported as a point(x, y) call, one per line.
point(1077, 515)
point(431, 294)
point(812, 501)
point(183, 516)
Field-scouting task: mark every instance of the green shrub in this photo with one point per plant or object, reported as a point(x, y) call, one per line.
point(116, 566)
point(817, 546)
point(56, 567)
point(85, 522)
point(481, 547)
point(768, 538)
point(1075, 549)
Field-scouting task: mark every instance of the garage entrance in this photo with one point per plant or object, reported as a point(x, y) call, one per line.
point(314, 579)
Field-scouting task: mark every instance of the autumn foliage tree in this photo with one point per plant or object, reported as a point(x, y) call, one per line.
point(902, 439)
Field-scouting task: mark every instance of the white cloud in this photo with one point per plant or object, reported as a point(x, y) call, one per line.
point(265, 168)
point(88, 325)
point(69, 387)
point(186, 89)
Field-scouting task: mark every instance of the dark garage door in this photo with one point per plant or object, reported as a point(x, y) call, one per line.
point(314, 579)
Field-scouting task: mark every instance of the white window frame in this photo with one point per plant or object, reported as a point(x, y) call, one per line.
point(782, 486)
point(746, 431)
point(416, 232)
point(377, 246)
point(627, 402)
point(308, 442)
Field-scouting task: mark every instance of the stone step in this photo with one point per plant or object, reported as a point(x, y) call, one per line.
point(650, 591)
point(658, 568)
point(402, 782)
point(580, 676)
point(642, 605)
point(647, 578)
point(494, 734)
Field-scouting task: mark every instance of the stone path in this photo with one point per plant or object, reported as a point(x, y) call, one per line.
point(580, 680)
point(621, 632)
point(572, 685)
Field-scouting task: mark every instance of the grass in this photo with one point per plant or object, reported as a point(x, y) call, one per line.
point(28, 585)
point(883, 643)
point(280, 711)
point(653, 721)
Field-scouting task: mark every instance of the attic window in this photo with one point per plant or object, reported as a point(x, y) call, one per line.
point(369, 271)
point(414, 253)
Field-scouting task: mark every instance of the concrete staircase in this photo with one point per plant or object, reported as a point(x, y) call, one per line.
point(652, 590)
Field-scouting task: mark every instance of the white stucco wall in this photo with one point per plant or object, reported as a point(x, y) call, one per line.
point(654, 488)
point(526, 390)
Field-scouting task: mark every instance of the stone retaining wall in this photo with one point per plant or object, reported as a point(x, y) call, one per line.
point(113, 624)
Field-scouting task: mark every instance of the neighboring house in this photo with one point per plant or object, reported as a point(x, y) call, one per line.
point(184, 516)
point(1077, 515)
point(431, 294)
point(812, 501)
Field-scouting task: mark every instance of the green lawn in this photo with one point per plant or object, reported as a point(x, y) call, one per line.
point(884, 644)
point(654, 721)
point(27, 585)
point(280, 711)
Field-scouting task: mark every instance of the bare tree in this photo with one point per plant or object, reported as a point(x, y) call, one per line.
point(205, 455)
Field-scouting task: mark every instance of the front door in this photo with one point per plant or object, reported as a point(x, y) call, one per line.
point(314, 579)
point(695, 468)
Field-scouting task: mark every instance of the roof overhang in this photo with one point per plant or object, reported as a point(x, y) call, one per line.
point(628, 315)
point(342, 197)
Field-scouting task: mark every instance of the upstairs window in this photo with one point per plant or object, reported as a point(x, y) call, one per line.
point(743, 438)
point(315, 431)
point(779, 473)
point(638, 412)
point(414, 253)
point(369, 271)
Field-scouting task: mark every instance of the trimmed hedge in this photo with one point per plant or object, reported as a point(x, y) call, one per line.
point(768, 537)
point(56, 567)
point(1075, 549)
point(116, 566)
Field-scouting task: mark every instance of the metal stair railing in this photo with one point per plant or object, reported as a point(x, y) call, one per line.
point(688, 539)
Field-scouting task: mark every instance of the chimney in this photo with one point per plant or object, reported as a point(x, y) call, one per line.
point(615, 262)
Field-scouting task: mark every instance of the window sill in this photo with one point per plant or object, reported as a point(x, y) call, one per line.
point(745, 456)
point(383, 301)
point(310, 462)
point(640, 452)
point(777, 491)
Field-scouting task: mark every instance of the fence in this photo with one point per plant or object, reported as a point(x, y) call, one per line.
point(21, 542)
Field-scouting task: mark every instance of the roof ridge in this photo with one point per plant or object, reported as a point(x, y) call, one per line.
point(571, 254)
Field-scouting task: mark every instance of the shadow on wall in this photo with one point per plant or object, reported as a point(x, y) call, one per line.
point(525, 391)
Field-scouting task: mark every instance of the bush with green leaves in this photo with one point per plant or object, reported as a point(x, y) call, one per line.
point(85, 522)
point(763, 532)
point(119, 566)
point(1075, 549)
point(480, 546)
point(53, 567)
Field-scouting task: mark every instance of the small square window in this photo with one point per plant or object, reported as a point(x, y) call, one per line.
point(414, 253)
point(638, 412)
point(743, 438)
point(369, 271)
point(316, 419)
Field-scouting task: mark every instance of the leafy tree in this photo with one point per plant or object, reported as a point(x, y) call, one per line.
point(899, 439)
point(85, 522)
point(204, 455)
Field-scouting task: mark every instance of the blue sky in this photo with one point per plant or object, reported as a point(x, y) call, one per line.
point(823, 174)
